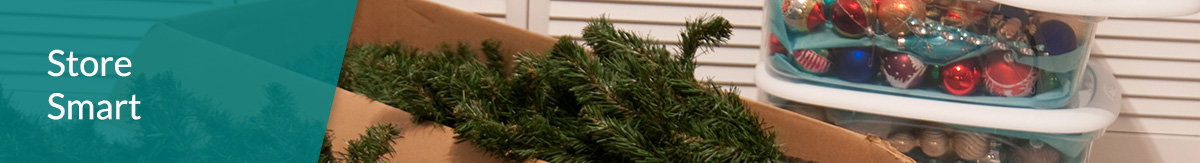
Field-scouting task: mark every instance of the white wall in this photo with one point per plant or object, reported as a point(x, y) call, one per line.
point(1156, 61)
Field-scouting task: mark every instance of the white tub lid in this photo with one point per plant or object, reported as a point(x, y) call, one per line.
point(1100, 102)
point(1111, 8)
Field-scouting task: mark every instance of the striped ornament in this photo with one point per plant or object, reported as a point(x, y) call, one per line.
point(812, 61)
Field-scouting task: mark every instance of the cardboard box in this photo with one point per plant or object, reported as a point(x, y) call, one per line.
point(426, 25)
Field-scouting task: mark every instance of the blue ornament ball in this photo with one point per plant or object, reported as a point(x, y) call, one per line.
point(1054, 37)
point(856, 64)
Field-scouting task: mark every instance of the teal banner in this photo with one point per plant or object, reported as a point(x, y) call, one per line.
point(168, 81)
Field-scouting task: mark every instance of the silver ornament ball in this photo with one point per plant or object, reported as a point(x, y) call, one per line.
point(971, 145)
point(903, 141)
point(1028, 153)
point(935, 143)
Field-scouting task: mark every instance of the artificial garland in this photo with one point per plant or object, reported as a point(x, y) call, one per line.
point(627, 100)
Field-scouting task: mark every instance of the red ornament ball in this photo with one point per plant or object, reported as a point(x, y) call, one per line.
point(1003, 77)
point(814, 61)
point(851, 18)
point(804, 15)
point(776, 47)
point(903, 70)
point(961, 78)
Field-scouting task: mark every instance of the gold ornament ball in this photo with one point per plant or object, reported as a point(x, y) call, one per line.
point(893, 14)
point(804, 15)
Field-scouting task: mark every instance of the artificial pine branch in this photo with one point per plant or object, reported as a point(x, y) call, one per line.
point(326, 155)
point(629, 100)
point(701, 32)
point(369, 148)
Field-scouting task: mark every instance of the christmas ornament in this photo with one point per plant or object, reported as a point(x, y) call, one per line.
point(932, 12)
point(1054, 37)
point(776, 47)
point(938, 43)
point(1035, 154)
point(856, 64)
point(937, 7)
point(804, 15)
point(971, 145)
point(935, 142)
point(1001, 13)
point(990, 23)
point(933, 75)
point(960, 78)
point(902, 70)
point(1047, 82)
point(893, 14)
point(996, 154)
point(1010, 30)
point(960, 14)
point(1004, 77)
point(813, 61)
point(851, 18)
point(903, 141)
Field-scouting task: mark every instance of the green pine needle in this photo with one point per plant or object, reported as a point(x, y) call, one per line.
point(627, 100)
point(369, 148)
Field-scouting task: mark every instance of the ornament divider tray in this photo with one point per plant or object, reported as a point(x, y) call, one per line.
point(1053, 99)
point(823, 37)
point(1098, 98)
point(1009, 56)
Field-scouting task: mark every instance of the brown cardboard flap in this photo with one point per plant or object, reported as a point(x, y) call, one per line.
point(799, 135)
point(352, 114)
point(810, 139)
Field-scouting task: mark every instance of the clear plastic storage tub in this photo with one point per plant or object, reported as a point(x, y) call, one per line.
point(941, 131)
point(927, 141)
point(976, 51)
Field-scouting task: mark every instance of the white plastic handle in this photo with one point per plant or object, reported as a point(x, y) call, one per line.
point(1111, 8)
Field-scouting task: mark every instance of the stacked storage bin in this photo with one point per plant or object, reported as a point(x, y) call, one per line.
point(945, 131)
point(949, 80)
